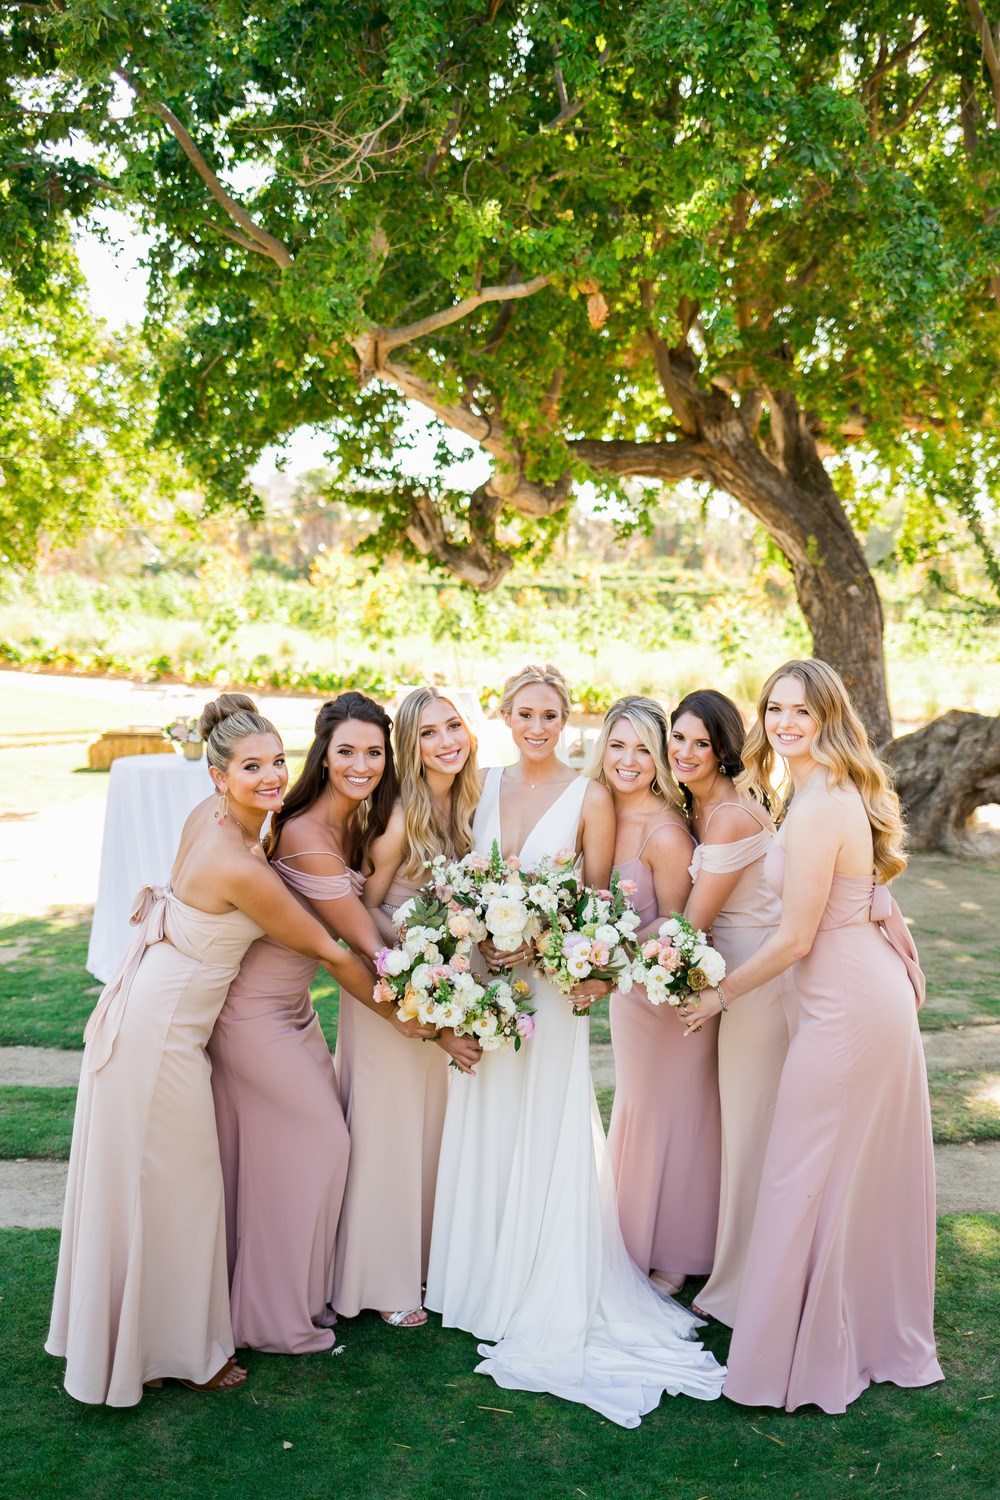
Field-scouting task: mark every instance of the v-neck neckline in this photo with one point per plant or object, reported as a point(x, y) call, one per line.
point(516, 853)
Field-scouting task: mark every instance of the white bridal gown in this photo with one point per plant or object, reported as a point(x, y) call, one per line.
point(526, 1250)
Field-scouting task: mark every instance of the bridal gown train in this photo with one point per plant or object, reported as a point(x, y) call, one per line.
point(526, 1249)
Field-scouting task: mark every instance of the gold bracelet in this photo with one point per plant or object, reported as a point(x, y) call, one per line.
point(722, 999)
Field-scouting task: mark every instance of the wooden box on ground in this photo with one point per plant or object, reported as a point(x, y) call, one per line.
point(135, 740)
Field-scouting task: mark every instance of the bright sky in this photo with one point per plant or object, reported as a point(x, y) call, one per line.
point(117, 281)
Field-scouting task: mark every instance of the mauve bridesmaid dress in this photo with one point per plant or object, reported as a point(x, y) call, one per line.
point(664, 1136)
point(282, 1139)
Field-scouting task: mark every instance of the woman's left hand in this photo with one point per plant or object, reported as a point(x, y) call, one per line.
point(698, 1009)
point(589, 991)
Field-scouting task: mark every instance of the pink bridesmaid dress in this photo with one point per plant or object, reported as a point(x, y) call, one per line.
point(753, 1041)
point(141, 1291)
point(283, 1141)
point(838, 1286)
point(394, 1091)
point(664, 1136)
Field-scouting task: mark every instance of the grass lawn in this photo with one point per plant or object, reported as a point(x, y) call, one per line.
point(404, 1415)
point(36, 1122)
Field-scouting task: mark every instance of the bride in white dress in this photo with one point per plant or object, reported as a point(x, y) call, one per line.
point(526, 1250)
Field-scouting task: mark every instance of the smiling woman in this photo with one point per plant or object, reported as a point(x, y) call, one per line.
point(141, 1293)
point(282, 1134)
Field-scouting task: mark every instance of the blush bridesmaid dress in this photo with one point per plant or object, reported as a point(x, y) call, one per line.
point(141, 1290)
point(664, 1136)
point(282, 1139)
point(394, 1091)
point(753, 1041)
point(838, 1286)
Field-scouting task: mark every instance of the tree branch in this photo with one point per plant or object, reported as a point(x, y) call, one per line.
point(684, 458)
point(267, 243)
point(392, 338)
point(989, 52)
point(893, 61)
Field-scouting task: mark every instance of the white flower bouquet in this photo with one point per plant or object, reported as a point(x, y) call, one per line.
point(429, 977)
point(587, 933)
point(677, 964)
point(488, 894)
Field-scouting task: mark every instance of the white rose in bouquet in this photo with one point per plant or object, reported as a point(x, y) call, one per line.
point(403, 913)
point(607, 934)
point(397, 961)
point(712, 963)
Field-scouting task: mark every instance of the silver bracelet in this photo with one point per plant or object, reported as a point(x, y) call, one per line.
point(722, 999)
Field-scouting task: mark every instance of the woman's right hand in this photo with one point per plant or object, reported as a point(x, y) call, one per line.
point(464, 1051)
point(412, 1028)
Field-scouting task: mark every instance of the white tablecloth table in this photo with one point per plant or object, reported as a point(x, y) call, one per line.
point(149, 798)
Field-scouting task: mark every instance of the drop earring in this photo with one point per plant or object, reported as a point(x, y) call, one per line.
point(222, 811)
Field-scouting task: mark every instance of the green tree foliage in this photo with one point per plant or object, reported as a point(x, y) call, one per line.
point(76, 415)
point(753, 243)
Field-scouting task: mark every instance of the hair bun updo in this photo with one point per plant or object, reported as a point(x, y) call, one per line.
point(222, 708)
point(225, 721)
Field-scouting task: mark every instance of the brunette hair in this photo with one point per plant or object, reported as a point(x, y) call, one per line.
point(310, 784)
point(424, 835)
point(225, 721)
point(841, 744)
point(727, 735)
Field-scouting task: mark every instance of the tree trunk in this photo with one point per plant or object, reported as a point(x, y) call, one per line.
point(783, 483)
point(943, 772)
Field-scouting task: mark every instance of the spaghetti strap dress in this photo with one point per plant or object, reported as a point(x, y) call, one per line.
point(838, 1285)
point(664, 1135)
point(282, 1138)
point(394, 1090)
point(753, 1041)
point(526, 1250)
point(141, 1290)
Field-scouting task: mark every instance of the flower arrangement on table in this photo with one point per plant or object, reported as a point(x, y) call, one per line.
point(429, 976)
point(677, 964)
point(185, 734)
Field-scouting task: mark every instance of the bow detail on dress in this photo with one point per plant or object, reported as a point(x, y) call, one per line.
point(890, 919)
point(106, 1018)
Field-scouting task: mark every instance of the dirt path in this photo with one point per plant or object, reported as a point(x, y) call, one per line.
point(968, 1177)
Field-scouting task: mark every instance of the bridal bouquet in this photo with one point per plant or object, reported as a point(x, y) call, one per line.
point(429, 977)
point(486, 894)
point(678, 963)
point(587, 933)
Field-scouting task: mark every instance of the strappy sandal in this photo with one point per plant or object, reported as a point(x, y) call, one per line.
point(398, 1319)
point(220, 1381)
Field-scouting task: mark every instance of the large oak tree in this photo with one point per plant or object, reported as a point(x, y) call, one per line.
point(753, 243)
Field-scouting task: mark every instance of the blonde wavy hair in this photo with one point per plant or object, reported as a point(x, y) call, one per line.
point(649, 720)
point(841, 745)
point(530, 676)
point(424, 834)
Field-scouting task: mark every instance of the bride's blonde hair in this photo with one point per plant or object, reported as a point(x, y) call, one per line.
point(425, 836)
point(530, 676)
point(841, 745)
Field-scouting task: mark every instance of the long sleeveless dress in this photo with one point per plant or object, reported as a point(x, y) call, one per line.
point(282, 1138)
point(394, 1090)
point(526, 1248)
point(664, 1136)
point(141, 1290)
point(838, 1286)
point(753, 1041)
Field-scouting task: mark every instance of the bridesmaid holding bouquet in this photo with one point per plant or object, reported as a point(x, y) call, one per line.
point(666, 1094)
point(281, 1127)
point(732, 900)
point(838, 1285)
point(394, 1094)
